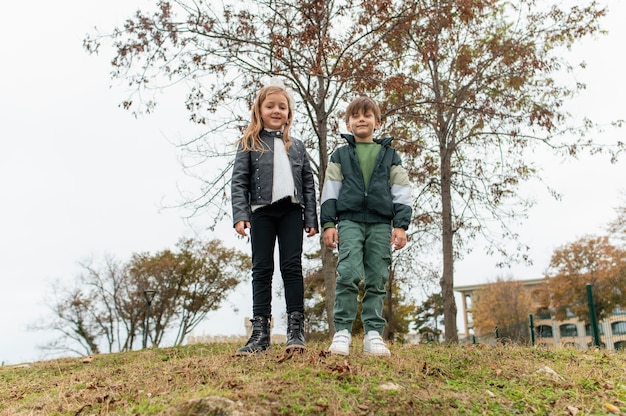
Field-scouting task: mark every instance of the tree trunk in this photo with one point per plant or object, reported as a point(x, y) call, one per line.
point(329, 264)
point(447, 235)
point(390, 328)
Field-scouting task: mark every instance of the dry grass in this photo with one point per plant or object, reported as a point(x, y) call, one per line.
point(206, 379)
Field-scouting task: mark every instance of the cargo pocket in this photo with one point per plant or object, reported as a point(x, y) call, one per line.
point(343, 265)
point(385, 268)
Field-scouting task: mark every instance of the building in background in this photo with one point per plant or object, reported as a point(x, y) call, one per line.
point(549, 332)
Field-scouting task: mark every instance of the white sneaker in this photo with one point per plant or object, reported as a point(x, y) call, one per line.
point(341, 343)
point(373, 344)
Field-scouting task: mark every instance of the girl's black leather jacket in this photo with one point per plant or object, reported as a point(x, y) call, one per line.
point(253, 174)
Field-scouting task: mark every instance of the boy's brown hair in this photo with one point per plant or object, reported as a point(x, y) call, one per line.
point(364, 104)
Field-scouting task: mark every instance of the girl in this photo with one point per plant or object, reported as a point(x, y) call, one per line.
point(273, 194)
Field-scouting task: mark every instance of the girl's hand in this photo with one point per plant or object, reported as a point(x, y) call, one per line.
point(241, 226)
point(311, 231)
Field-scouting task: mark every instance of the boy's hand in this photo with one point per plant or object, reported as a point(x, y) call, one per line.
point(331, 237)
point(310, 231)
point(398, 238)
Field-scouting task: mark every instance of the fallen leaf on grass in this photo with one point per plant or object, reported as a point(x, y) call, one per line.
point(549, 373)
point(572, 410)
point(87, 360)
point(210, 405)
point(289, 353)
point(16, 395)
point(430, 371)
point(490, 393)
point(341, 369)
point(322, 408)
point(79, 411)
point(390, 386)
point(607, 385)
point(613, 409)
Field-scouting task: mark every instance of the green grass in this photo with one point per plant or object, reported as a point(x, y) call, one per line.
point(207, 379)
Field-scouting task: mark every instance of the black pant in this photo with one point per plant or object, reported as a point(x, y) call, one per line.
point(282, 220)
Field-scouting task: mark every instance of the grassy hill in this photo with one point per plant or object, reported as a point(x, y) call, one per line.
point(206, 379)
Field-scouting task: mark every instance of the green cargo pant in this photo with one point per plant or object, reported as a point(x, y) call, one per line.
point(364, 254)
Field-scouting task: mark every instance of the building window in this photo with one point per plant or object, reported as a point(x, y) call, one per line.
point(588, 330)
point(568, 330)
point(618, 328)
point(544, 331)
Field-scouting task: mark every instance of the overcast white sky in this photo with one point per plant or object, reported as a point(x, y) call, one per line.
point(81, 178)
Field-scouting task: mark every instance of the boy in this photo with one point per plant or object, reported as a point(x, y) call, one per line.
point(367, 196)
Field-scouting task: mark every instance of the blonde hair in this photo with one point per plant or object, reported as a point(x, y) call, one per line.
point(251, 136)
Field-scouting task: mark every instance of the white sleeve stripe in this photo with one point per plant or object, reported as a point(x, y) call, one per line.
point(331, 190)
point(401, 194)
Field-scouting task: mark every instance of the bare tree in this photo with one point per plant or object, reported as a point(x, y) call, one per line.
point(189, 283)
point(73, 318)
point(120, 307)
point(617, 227)
point(106, 305)
point(428, 315)
point(475, 85)
point(215, 271)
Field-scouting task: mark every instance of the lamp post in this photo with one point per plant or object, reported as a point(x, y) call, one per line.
point(149, 295)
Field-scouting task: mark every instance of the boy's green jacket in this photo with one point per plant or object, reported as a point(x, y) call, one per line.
point(344, 197)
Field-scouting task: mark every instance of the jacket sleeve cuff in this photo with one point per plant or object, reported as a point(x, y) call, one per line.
point(328, 225)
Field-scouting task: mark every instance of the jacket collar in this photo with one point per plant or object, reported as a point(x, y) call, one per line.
point(271, 133)
point(383, 141)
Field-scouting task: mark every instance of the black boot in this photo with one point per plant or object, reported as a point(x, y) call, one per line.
point(260, 338)
point(295, 331)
